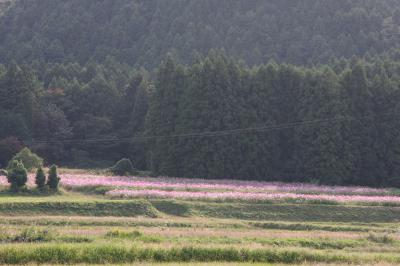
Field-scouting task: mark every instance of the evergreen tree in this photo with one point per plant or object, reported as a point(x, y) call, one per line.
point(163, 112)
point(53, 179)
point(40, 178)
point(17, 175)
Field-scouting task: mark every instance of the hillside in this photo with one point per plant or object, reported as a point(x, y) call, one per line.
point(140, 33)
point(83, 91)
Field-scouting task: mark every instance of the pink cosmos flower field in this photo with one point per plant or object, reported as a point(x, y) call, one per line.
point(125, 193)
point(165, 187)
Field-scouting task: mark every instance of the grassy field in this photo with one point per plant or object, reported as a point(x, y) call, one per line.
point(81, 227)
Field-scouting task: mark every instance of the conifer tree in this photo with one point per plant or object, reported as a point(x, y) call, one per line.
point(53, 179)
point(40, 178)
point(17, 175)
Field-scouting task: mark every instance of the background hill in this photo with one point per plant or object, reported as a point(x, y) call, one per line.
point(84, 82)
point(140, 33)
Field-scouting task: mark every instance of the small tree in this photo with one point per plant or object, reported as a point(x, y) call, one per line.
point(53, 179)
point(17, 175)
point(40, 178)
point(123, 167)
point(29, 159)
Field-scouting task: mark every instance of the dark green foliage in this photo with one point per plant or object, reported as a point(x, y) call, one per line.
point(30, 235)
point(8, 148)
point(29, 159)
point(123, 167)
point(40, 178)
point(53, 179)
point(329, 124)
point(320, 126)
point(16, 175)
point(141, 33)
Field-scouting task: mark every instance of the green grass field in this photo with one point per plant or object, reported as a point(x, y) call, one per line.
point(89, 229)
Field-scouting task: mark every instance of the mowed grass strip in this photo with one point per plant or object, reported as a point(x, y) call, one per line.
point(112, 254)
point(295, 212)
point(196, 222)
point(244, 211)
point(87, 208)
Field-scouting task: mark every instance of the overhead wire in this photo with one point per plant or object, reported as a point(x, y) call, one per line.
point(210, 133)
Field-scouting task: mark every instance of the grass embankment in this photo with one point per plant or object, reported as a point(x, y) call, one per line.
point(283, 212)
point(112, 240)
point(88, 228)
point(92, 205)
point(196, 222)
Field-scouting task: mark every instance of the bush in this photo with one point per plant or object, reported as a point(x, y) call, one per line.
point(53, 179)
point(3, 172)
point(381, 239)
point(17, 175)
point(33, 235)
point(40, 178)
point(123, 167)
point(29, 159)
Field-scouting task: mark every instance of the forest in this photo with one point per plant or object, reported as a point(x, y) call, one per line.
point(294, 91)
point(334, 125)
point(141, 33)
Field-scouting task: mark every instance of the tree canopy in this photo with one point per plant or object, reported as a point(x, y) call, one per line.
point(281, 90)
point(140, 33)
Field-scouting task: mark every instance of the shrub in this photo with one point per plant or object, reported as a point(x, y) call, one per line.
point(33, 235)
point(381, 239)
point(40, 178)
point(17, 175)
point(53, 180)
point(3, 172)
point(29, 159)
point(121, 234)
point(123, 167)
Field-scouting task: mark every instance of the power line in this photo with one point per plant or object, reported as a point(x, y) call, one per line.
point(211, 133)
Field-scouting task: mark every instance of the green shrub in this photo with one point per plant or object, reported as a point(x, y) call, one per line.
point(74, 239)
point(381, 239)
point(121, 234)
point(40, 178)
point(17, 175)
point(123, 167)
point(3, 172)
point(53, 180)
point(29, 159)
point(33, 235)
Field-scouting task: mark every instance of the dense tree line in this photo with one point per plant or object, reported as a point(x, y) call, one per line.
point(334, 124)
point(47, 106)
point(140, 33)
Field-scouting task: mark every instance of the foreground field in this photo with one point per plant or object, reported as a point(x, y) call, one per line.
point(85, 225)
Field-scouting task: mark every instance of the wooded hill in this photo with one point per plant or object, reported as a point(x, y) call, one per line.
point(77, 86)
point(140, 33)
point(336, 125)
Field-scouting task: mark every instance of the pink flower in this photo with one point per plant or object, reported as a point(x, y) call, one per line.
point(125, 193)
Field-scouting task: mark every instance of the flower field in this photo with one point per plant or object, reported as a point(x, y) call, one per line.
point(152, 193)
point(101, 219)
point(164, 187)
